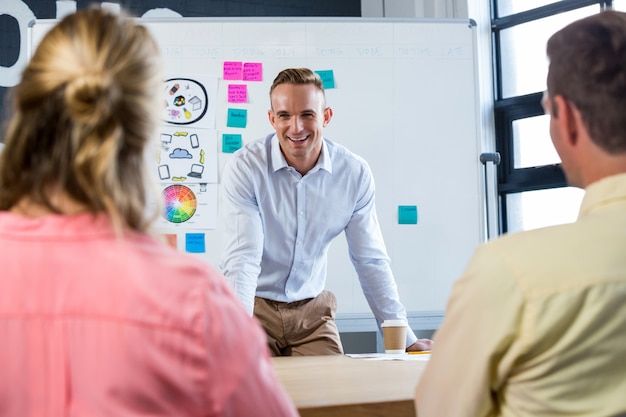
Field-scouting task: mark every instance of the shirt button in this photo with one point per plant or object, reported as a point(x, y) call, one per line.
point(301, 213)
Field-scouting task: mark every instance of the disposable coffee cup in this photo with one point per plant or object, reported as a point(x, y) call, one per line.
point(394, 335)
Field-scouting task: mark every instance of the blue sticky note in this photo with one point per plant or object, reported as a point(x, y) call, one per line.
point(328, 78)
point(194, 243)
point(231, 142)
point(237, 118)
point(407, 214)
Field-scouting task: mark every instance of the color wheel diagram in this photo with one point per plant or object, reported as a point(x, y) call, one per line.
point(180, 203)
point(190, 206)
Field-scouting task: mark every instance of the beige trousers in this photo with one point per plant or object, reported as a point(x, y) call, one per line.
point(300, 328)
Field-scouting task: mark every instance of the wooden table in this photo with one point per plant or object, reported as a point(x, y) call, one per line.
point(333, 386)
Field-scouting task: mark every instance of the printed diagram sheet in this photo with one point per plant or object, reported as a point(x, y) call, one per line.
point(187, 162)
point(190, 101)
point(188, 206)
point(187, 155)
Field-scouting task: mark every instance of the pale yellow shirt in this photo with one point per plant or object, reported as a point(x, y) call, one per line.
point(536, 326)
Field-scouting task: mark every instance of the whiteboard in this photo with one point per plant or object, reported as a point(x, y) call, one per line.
point(405, 99)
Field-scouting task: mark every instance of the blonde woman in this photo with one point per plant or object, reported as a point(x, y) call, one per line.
point(97, 317)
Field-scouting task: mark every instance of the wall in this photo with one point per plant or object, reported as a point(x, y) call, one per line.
point(15, 16)
point(416, 8)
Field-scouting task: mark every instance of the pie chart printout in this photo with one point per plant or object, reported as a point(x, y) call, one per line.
point(180, 203)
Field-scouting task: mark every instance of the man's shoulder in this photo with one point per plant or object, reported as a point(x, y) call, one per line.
point(539, 258)
point(258, 146)
point(339, 153)
point(532, 242)
point(253, 154)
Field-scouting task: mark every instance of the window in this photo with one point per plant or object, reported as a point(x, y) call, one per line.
point(536, 147)
point(523, 56)
point(533, 209)
point(532, 188)
point(509, 7)
point(619, 5)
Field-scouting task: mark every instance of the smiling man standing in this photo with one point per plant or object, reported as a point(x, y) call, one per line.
point(286, 197)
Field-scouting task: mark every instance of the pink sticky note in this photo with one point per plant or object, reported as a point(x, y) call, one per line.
point(253, 71)
point(233, 70)
point(237, 93)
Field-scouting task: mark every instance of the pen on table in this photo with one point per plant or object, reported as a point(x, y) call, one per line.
point(421, 352)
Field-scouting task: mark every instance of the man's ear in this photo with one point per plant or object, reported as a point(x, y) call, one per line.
point(270, 117)
point(328, 114)
point(568, 119)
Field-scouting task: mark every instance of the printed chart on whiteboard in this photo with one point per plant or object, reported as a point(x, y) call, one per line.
point(188, 206)
point(187, 162)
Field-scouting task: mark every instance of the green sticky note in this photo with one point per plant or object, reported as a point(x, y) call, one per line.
point(237, 118)
point(328, 78)
point(194, 243)
point(231, 142)
point(407, 214)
